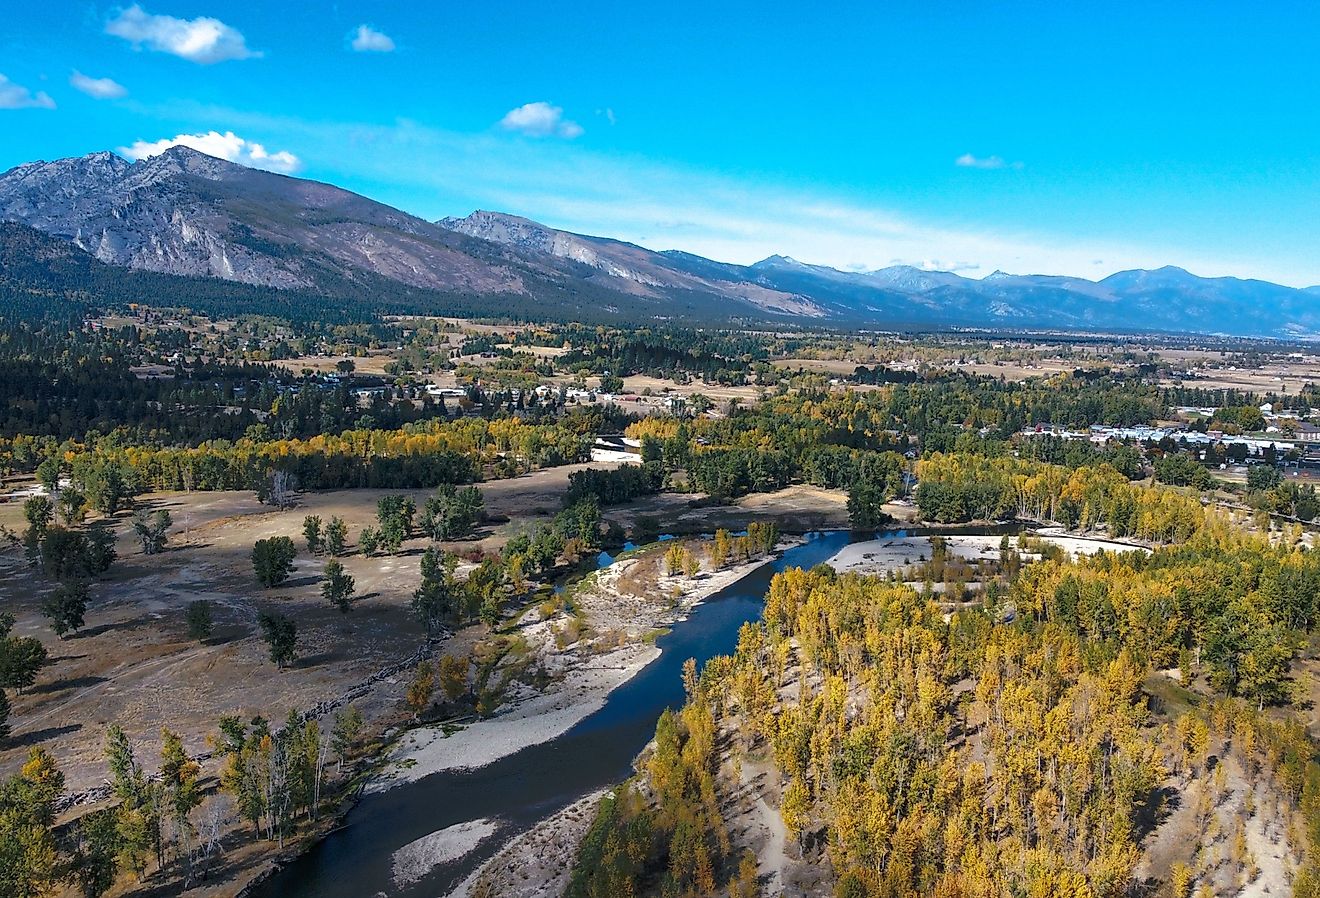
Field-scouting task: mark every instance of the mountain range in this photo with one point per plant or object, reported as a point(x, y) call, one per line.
point(184, 214)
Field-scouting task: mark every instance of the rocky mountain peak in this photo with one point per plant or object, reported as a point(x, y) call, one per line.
point(499, 227)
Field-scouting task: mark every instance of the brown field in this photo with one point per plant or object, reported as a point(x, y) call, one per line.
point(373, 363)
point(134, 664)
point(1011, 371)
point(639, 382)
point(1280, 374)
point(825, 366)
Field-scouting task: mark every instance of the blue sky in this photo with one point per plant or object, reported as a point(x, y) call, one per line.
point(1072, 138)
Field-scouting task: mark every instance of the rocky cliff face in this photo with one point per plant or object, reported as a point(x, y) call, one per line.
point(185, 213)
point(643, 271)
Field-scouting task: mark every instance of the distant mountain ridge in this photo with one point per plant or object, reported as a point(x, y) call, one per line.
point(188, 214)
point(1165, 299)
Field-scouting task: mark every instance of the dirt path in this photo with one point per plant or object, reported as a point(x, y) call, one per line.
point(772, 856)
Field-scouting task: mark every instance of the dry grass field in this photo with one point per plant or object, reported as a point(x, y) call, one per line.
point(134, 664)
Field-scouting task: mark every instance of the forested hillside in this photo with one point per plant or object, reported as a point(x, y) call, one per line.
point(1012, 748)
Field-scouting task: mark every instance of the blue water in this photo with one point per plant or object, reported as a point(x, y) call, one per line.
point(355, 861)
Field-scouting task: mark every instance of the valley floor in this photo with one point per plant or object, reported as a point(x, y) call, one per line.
point(133, 664)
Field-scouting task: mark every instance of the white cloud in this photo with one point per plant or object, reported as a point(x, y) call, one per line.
point(967, 160)
point(369, 40)
point(540, 120)
point(16, 96)
point(100, 88)
point(203, 39)
point(936, 265)
point(223, 146)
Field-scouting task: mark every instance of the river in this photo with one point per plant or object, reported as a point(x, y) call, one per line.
point(356, 861)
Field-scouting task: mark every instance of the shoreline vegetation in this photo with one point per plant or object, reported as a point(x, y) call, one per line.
point(531, 862)
point(584, 676)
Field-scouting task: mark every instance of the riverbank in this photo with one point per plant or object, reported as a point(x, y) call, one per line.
point(895, 553)
point(539, 862)
point(625, 605)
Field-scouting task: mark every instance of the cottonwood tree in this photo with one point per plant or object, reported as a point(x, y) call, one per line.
point(483, 592)
point(64, 553)
point(866, 502)
point(68, 554)
point(395, 520)
point(21, 657)
point(421, 688)
point(309, 751)
point(66, 606)
point(100, 553)
point(179, 776)
point(451, 513)
point(245, 752)
point(272, 560)
point(679, 559)
point(29, 864)
point(104, 484)
point(453, 677)
point(674, 558)
point(138, 821)
point(337, 587)
point(38, 511)
point(72, 506)
point(721, 549)
point(215, 821)
point(48, 474)
point(95, 861)
point(282, 487)
point(280, 634)
point(348, 727)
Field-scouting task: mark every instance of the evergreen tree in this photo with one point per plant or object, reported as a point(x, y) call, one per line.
point(313, 535)
point(337, 587)
point(336, 537)
point(272, 560)
point(281, 634)
point(137, 818)
point(199, 620)
point(434, 601)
